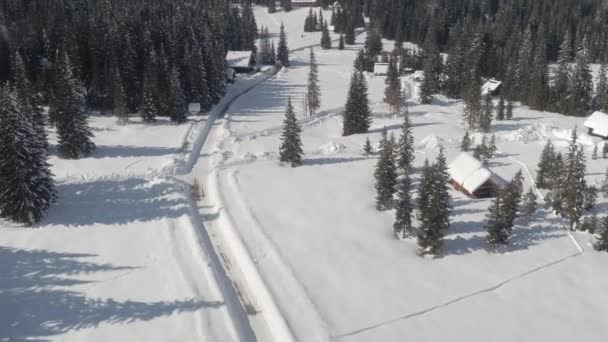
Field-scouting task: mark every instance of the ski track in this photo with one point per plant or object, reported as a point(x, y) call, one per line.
point(455, 300)
point(272, 255)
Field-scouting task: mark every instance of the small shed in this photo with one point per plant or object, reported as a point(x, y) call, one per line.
point(597, 124)
point(469, 176)
point(492, 87)
point(241, 61)
point(380, 69)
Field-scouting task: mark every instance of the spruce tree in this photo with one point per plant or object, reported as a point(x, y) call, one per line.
point(25, 177)
point(545, 164)
point(290, 150)
point(512, 196)
point(349, 35)
point(434, 206)
point(509, 113)
point(177, 104)
point(601, 244)
point(74, 135)
point(148, 109)
point(604, 187)
point(404, 206)
point(341, 42)
point(392, 92)
point(200, 89)
point(530, 202)
point(582, 81)
point(594, 154)
point(431, 84)
point(601, 94)
point(523, 67)
point(313, 91)
point(498, 233)
point(406, 145)
point(562, 80)
point(367, 148)
point(357, 114)
point(118, 95)
point(325, 37)
point(385, 175)
point(282, 49)
point(465, 144)
point(501, 112)
point(605, 151)
point(487, 115)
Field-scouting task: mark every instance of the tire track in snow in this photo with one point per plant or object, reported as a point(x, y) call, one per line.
point(455, 300)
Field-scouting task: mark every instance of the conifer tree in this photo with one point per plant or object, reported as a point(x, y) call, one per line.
point(530, 202)
point(604, 187)
point(487, 115)
point(601, 93)
point(341, 42)
point(177, 104)
point(385, 175)
point(325, 38)
point(200, 90)
point(465, 144)
point(498, 233)
point(501, 112)
point(431, 84)
point(590, 223)
point(367, 148)
point(349, 35)
point(434, 206)
point(272, 8)
point(605, 151)
point(118, 95)
point(291, 144)
point(392, 92)
point(25, 176)
point(594, 154)
point(538, 91)
point(492, 147)
point(74, 135)
point(509, 113)
point(562, 80)
point(582, 81)
point(148, 109)
point(282, 49)
point(512, 196)
point(313, 91)
point(601, 244)
point(406, 145)
point(357, 114)
point(545, 164)
point(523, 66)
point(404, 206)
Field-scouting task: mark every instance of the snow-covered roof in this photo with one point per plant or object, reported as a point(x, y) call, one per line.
point(380, 68)
point(490, 86)
point(239, 59)
point(471, 174)
point(598, 122)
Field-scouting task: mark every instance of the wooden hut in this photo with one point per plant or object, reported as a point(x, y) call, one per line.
point(469, 176)
point(241, 61)
point(597, 124)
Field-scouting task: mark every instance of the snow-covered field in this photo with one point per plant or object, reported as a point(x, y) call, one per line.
point(122, 256)
point(280, 254)
point(329, 259)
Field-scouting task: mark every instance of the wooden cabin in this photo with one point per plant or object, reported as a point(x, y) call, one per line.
point(469, 176)
point(492, 87)
point(597, 124)
point(241, 61)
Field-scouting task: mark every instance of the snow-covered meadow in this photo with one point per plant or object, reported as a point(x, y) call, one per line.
point(329, 258)
point(279, 254)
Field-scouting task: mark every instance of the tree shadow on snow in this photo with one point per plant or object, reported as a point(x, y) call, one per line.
point(328, 161)
point(33, 307)
point(116, 202)
point(470, 236)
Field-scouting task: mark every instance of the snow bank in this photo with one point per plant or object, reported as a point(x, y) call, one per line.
point(331, 148)
point(430, 142)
